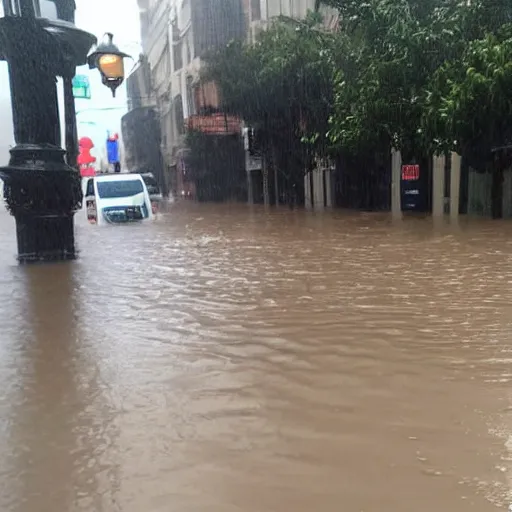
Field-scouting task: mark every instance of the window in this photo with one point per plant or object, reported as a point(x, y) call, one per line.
point(255, 10)
point(116, 189)
point(151, 185)
point(144, 24)
point(188, 54)
point(178, 56)
point(90, 188)
point(178, 115)
point(190, 97)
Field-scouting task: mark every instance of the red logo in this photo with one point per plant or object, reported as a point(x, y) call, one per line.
point(410, 172)
point(85, 159)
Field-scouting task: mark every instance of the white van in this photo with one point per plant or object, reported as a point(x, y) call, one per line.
point(117, 198)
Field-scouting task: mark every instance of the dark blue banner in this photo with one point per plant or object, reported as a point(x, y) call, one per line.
point(112, 151)
point(414, 188)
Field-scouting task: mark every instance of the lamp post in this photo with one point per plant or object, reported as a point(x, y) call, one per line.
point(110, 62)
point(41, 190)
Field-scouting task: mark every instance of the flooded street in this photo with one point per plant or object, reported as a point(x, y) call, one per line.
point(226, 359)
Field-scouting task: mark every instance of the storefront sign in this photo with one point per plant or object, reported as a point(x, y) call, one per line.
point(253, 163)
point(412, 189)
point(410, 172)
point(217, 124)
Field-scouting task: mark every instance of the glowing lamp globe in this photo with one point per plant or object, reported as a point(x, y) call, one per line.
point(110, 63)
point(111, 66)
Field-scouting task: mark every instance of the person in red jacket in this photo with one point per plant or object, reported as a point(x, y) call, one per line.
point(85, 159)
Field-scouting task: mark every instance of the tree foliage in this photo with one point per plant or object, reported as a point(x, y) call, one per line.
point(282, 86)
point(417, 75)
point(469, 106)
point(391, 49)
point(422, 75)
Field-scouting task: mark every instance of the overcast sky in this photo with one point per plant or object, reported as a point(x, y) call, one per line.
point(121, 18)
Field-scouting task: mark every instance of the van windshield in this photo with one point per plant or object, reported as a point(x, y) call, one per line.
point(121, 188)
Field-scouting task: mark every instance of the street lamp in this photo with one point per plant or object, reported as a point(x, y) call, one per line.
point(41, 190)
point(42, 185)
point(109, 60)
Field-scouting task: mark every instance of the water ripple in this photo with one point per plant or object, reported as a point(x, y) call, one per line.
point(225, 358)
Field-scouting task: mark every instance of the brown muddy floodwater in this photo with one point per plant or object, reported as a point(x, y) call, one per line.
point(226, 359)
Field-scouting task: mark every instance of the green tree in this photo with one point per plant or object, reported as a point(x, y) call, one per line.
point(390, 49)
point(469, 107)
point(387, 76)
point(417, 75)
point(281, 85)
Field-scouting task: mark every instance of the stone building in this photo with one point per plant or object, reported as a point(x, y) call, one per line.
point(175, 35)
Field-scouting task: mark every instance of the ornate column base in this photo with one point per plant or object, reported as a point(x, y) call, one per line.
point(43, 194)
point(45, 239)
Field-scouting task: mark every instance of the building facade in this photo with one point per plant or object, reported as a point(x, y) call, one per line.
point(141, 126)
point(176, 35)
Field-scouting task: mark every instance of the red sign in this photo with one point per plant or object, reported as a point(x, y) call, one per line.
point(85, 145)
point(87, 171)
point(410, 172)
point(215, 124)
point(85, 160)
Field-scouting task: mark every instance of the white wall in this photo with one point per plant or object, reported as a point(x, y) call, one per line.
point(6, 134)
point(184, 13)
point(293, 8)
point(6, 126)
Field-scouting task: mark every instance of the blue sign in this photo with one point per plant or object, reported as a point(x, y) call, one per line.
point(112, 151)
point(413, 188)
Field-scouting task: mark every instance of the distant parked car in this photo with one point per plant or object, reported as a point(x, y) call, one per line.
point(155, 194)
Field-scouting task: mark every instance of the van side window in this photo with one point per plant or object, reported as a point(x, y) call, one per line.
point(90, 188)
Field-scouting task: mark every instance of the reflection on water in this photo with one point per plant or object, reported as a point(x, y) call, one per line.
point(227, 358)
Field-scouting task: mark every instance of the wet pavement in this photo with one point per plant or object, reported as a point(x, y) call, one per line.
point(228, 359)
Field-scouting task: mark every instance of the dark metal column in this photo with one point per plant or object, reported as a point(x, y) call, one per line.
point(34, 97)
point(28, 8)
point(71, 128)
point(41, 191)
